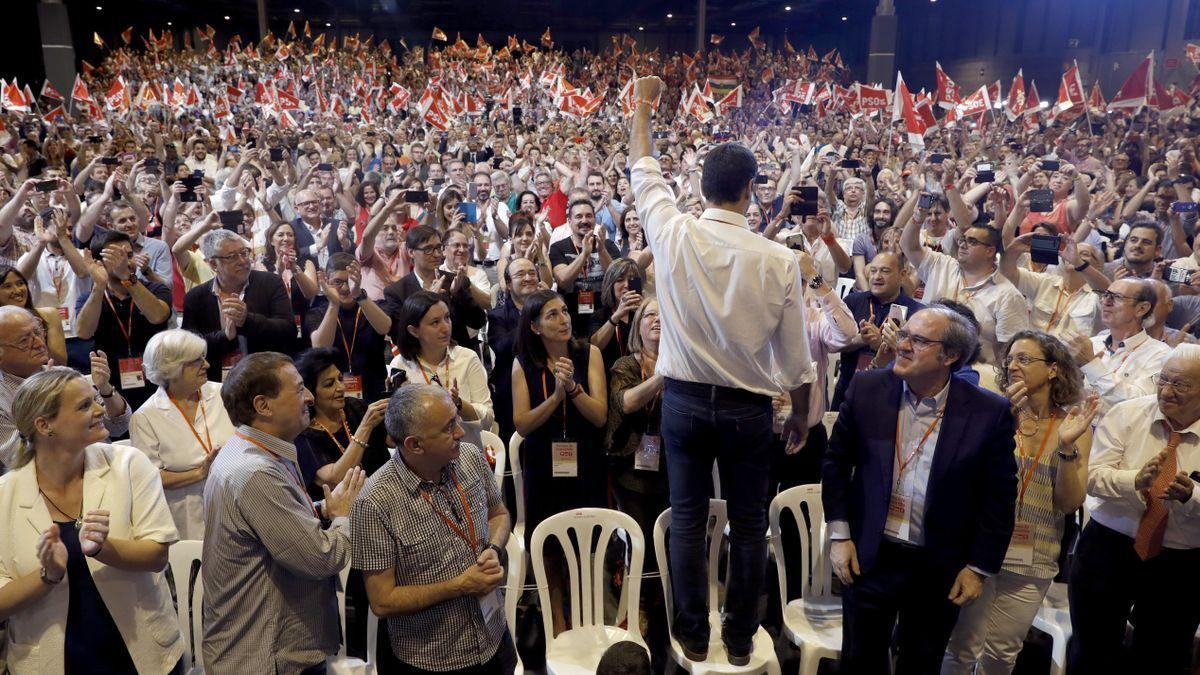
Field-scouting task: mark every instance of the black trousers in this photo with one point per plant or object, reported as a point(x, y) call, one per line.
point(908, 584)
point(1110, 585)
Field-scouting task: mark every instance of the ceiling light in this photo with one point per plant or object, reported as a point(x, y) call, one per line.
point(641, 28)
point(787, 8)
point(328, 25)
point(226, 17)
point(733, 24)
point(297, 10)
point(845, 19)
point(170, 24)
point(670, 16)
point(99, 8)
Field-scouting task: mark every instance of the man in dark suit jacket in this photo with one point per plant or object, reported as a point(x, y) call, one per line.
point(239, 311)
point(425, 246)
point(919, 488)
point(308, 206)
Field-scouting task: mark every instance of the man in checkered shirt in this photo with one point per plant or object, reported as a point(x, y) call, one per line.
point(428, 532)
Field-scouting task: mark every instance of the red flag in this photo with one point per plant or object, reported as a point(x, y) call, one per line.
point(12, 98)
point(975, 104)
point(754, 39)
point(948, 94)
point(117, 97)
point(787, 46)
point(731, 100)
point(547, 42)
point(1160, 99)
point(903, 109)
point(1070, 92)
point(307, 30)
point(1193, 54)
point(291, 29)
point(1033, 102)
point(79, 92)
point(55, 113)
point(871, 99)
point(221, 108)
point(1096, 101)
point(715, 39)
point(1014, 107)
point(994, 93)
point(48, 91)
point(1138, 88)
point(439, 34)
point(88, 68)
point(513, 44)
point(97, 40)
point(812, 53)
point(127, 35)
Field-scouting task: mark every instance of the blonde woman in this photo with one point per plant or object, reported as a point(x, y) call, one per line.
point(86, 535)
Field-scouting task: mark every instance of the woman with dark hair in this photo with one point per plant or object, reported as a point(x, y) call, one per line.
point(429, 356)
point(629, 226)
point(344, 432)
point(295, 268)
point(560, 406)
point(447, 213)
point(14, 290)
point(523, 243)
point(1054, 439)
point(529, 202)
point(365, 196)
point(611, 323)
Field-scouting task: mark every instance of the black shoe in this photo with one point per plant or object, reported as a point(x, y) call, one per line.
point(694, 650)
point(738, 657)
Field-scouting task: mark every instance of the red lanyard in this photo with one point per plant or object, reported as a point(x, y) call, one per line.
point(58, 276)
point(916, 451)
point(345, 427)
point(208, 447)
point(1062, 291)
point(294, 473)
point(426, 375)
point(546, 396)
point(349, 347)
point(472, 542)
point(1126, 357)
point(620, 342)
point(1027, 474)
point(127, 331)
point(647, 374)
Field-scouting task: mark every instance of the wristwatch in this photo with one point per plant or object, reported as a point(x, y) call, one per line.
point(51, 582)
point(1082, 266)
point(362, 295)
point(816, 282)
point(500, 553)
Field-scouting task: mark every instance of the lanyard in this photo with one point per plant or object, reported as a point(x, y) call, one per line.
point(58, 276)
point(430, 379)
point(472, 541)
point(1027, 474)
point(916, 451)
point(1062, 292)
point(546, 396)
point(620, 343)
point(1126, 357)
point(345, 427)
point(353, 341)
point(647, 374)
point(293, 472)
point(208, 447)
point(127, 331)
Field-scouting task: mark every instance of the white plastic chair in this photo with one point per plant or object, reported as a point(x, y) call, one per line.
point(514, 464)
point(493, 441)
point(349, 665)
point(577, 650)
point(813, 621)
point(514, 587)
point(1054, 619)
point(183, 555)
point(762, 658)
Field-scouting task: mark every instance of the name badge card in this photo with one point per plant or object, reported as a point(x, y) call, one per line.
point(131, 373)
point(566, 459)
point(1020, 547)
point(898, 518)
point(354, 386)
point(64, 314)
point(648, 453)
point(587, 302)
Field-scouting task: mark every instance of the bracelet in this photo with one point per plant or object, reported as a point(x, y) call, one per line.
point(575, 392)
point(1071, 457)
point(640, 101)
point(51, 582)
point(828, 237)
point(354, 439)
point(111, 392)
point(614, 323)
point(1082, 266)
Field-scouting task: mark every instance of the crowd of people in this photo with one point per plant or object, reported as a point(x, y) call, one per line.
point(304, 301)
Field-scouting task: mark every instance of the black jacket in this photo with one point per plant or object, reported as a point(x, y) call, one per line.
point(270, 325)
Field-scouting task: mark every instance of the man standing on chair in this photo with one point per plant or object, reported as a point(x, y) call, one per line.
point(733, 336)
point(919, 487)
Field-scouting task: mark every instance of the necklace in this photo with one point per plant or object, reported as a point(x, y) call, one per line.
point(1028, 424)
point(58, 508)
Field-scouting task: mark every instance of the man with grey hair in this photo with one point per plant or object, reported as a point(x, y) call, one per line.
point(315, 233)
point(428, 532)
point(1143, 540)
point(919, 486)
point(239, 311)
point(23, 352)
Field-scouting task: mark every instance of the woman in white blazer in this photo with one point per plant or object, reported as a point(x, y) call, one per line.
point(86, 531)
point(182, 425)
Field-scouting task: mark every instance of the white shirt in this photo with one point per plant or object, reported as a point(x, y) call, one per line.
point(463, 365)
point(225, 197)
point(1135, 432)
point(489, 226)
point(1054, 309)
point(1126, 370)
point(732, 303)
point(998, 305)
point(122, 481)
point(159, 430)
point(55, 285)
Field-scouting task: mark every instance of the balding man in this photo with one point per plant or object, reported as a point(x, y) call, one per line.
point(1157, 327)
point(23, 352)
point(1120, 362)
point(1140, 551)
point(308, 226)
point(429, 531)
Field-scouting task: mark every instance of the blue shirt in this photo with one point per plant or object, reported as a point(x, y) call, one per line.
point(916, 418)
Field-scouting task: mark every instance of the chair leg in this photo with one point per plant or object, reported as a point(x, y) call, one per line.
point(809, 663)
point(1058, 653)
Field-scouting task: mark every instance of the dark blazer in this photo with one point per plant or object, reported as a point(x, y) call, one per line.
point(969, 506)
point(463, 312)
point(861, 304)
point(269, 325)
point(304, 237)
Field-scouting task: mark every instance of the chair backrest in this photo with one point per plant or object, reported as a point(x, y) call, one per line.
point(817, 574)
point(499, 451)
point(717, 532)
point(584, 553)
point(372, 621)
point(716, 481)
point(514, 465)
point(183, 556)
point(515, 586)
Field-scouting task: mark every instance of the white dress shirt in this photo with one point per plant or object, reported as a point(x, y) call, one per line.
point(1125, 440)
point(1056, 310)
point(55, 284)
point(732, 302)
point(122, 481)
point(463, 365)
point(998, 306)
point(1126, 369)
point(159, 430)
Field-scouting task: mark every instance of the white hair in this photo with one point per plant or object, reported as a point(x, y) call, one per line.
point(854, 181)
point(168, 351)
point(211, 243)
point(1186, 352)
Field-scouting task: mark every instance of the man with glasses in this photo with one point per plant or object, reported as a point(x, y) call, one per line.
point(239, 311)
point(23, 352)
point(554, 197)
point(1139, 553)
point(1120, 362)
point(425, 247)
point(523, 280)
point(919, 484)
point(314, 232)
point(971, 278)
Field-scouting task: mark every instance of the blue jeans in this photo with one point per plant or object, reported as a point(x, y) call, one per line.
point(701, 423)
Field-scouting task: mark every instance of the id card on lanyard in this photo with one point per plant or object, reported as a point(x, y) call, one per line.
point(649, 451)
point(564, 452)
point(488, 604)
point(353, 383)
point(129, 368)
point(899, 515)
point(1020, 546)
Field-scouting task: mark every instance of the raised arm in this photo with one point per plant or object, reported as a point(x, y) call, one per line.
point(910, 237)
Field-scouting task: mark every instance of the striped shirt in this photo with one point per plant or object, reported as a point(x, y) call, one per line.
point(1037, 508)
point(270, 568)
point(394, 527)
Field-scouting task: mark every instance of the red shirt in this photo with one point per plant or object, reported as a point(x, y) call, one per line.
point(556, 207)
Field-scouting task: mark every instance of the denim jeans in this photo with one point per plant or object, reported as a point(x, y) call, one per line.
point(701, 423)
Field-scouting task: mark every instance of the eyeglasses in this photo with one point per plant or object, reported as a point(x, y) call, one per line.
point(26, 342)
point(917, 340)
point(311, 202)
point(1110, 297)
point(1179, 386)
point(431, 248)
point(973, 242)
point(244, 254)
point(1023, 360)
point(526, 273)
